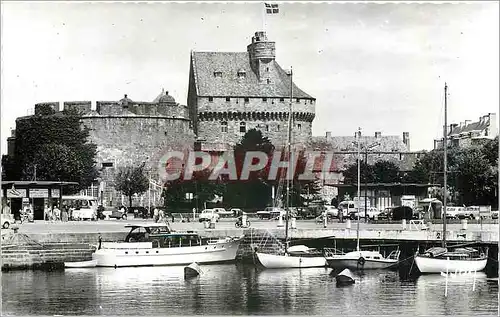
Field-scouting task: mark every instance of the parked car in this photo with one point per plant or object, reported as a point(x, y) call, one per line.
point(332, 211)
point(236, 212)
point(223, 212)
point(402, 212)
point(208, 215)
point(270, 213)
point(346, 207)
point(7, 220)
point(494, 214)
point(113, 212)
point(453, 212)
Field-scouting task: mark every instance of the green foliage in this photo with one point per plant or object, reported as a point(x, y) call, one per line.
point(58, 145)
point(367, 174)
point(386, 172)
point(131, 180)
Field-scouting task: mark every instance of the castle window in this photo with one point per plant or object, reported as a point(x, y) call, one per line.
point(299, 126)
point(267, 69)
point(278, 128)
point(217, 74)
point(228, 99)
point(241, 74)
point(107, 164)
point(268, 81)
point(243, 127)
point(210, 99)
point(247, 100)
point(264, 99)
point(223, 126)
point(165, 133)
point(282, 99)
point(267, 127)
point(297, 100)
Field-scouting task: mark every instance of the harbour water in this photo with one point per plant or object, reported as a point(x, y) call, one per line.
point(236, 289)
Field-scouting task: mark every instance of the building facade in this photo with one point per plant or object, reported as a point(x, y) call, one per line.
point(128, 133)
point(232, 92)
point(467, 133)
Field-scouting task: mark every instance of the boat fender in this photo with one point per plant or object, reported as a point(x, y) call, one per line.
point(361, 261)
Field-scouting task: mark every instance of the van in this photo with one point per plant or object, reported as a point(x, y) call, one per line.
point(82, 207)
point(346, 206)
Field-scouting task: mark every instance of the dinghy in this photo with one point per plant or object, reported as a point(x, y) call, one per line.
point(91, 263)
point(192, 270)
point(345, 278)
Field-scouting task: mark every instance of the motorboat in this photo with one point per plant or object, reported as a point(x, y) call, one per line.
point(156, 244)
point(360, 259)
point(439, 260)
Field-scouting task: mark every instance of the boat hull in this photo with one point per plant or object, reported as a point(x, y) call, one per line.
point(273, 261)
point(121, 255)
point(345, 278)
point(353, 264)
point(437, 265)
point(91, 263)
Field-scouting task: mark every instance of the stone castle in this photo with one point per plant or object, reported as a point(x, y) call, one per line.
point(228, 94)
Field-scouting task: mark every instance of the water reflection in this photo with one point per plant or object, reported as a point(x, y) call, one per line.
point(237, 290)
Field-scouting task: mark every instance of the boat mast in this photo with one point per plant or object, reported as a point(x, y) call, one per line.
point(358, 137)
point(445, 162)
point(289, 160)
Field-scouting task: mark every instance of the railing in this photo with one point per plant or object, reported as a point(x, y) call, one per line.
point(329, 252)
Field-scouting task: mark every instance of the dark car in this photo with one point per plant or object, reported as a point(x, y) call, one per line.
point(402, 212)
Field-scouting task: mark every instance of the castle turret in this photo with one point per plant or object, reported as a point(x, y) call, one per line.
point(262, 53)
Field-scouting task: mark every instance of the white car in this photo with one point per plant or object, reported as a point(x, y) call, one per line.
point(7, 220)
point(208, 215)
point(331, 211)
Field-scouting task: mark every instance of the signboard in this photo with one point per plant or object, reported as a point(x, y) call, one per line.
point(54, 193)
point(39, 193)
point(16, 193)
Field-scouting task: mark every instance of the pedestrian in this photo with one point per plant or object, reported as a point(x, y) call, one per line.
point(173, 218)
point(155, 214)
point(6, 209)
point(46, 212)
point(57, 213)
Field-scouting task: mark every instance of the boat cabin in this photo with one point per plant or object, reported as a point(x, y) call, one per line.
point(161, 236)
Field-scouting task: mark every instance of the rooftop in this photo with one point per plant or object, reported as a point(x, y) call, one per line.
point(229, 84)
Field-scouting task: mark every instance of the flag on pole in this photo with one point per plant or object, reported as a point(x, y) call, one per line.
point(272, 8)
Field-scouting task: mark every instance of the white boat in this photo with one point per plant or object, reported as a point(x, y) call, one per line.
point(365, 260)
point(155, 244)
point(438, 260)
point(82, 264)
point(298, 256)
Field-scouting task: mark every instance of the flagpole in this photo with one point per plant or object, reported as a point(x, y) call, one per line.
point(264, 13)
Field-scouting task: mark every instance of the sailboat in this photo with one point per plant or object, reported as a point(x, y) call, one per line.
point(443, 259)
point(360, 259)
point(299, 256)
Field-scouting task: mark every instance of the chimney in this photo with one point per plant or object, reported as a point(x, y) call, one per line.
point(378, 134)
point(125, 96)
point(466, 122)
point(328, 135)
point(406, 139)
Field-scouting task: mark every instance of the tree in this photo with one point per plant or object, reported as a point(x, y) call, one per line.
point(57, 146)
point(131, 180)
point(351, 173)
point(386, 172)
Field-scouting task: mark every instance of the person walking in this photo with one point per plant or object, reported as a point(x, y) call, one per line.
point(155, 214)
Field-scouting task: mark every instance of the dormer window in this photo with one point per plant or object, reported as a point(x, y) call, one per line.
point(210, 99)
point(217, 74)
point(228, 99)
point(282, 99)
point(242, 73)
point(297, 100)
point(247, 100)
point(264, 99)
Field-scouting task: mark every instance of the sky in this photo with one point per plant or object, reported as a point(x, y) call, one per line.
point(381, 67)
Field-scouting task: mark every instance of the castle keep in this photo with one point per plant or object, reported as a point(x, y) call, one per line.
point(233, 92)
